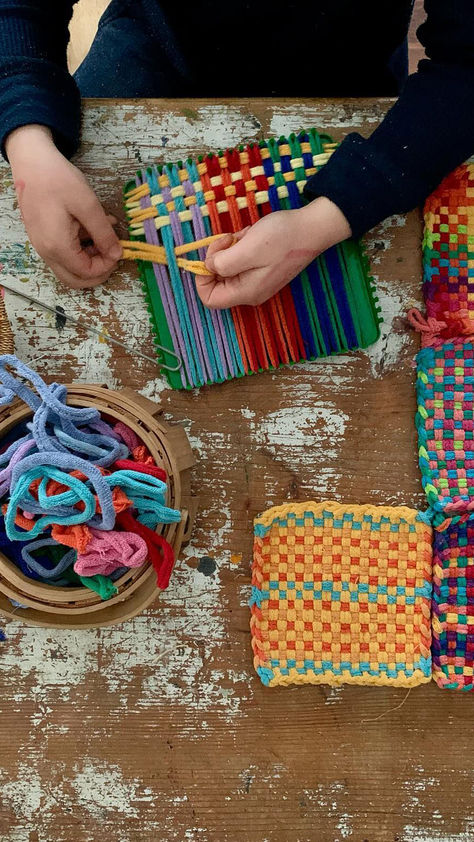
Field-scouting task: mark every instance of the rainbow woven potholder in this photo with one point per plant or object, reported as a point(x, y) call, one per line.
point(341, 594)
point(453, 605)
point(329, 308)
point(445, 422)
point(448, 247)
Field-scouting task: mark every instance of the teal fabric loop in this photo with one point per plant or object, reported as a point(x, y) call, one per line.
point(147, 494)
point(22, 498)
point(42, 466)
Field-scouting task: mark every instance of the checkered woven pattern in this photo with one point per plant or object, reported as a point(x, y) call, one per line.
point(453, 606)
point(329, 308)
point(448, 253)
point(341, 594)
point(445, 422)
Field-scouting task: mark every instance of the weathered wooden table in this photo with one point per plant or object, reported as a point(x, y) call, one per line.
point(159, 730)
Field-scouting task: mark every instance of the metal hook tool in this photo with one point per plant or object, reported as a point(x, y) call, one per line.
point(95, 330)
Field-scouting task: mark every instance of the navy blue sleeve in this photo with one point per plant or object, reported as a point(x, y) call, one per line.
point(427, 133)
point(35, 86)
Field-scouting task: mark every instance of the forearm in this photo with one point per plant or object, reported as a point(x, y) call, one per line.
point(428, 132)
point(35, 86)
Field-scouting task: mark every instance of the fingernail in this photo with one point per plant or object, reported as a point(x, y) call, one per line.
point(210, 264)
point(116, 252)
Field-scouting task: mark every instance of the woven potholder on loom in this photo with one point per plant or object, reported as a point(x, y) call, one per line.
point(341, 593)
point(445, 421)
point(329, 308)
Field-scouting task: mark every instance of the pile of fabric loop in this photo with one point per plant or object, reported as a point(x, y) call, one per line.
point(81, 497)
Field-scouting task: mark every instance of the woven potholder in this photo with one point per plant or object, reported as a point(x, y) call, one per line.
point(453, 606)
point(341, 593)
point(445, 422)
point(448, 247)
point(329, 308)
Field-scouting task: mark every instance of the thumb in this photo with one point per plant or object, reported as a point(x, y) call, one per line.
point(235, 259)
point(98, 225)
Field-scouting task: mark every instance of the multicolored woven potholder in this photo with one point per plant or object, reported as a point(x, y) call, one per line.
point(341, 594)
point(448, 248)
point(329, 308)
point(445, 422)
point(453, 606)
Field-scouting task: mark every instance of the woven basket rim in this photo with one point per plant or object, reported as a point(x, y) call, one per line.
point(75, 602)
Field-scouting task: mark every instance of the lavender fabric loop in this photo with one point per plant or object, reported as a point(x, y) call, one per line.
point(66, 561)
point(13, 447)
point(6, 473)
point(44, 463)
point(105, 429)
point(82, 445)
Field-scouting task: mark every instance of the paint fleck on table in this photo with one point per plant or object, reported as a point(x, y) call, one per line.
point(159, 729)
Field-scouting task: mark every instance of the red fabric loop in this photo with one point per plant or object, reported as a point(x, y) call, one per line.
point(160, 552)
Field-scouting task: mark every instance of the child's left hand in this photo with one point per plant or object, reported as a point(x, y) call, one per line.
point(269, 254)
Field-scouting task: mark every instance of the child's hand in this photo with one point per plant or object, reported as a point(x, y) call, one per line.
point(61, 213)
point(269, 254)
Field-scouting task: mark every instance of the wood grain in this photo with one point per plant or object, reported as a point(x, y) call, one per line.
point(159, 729)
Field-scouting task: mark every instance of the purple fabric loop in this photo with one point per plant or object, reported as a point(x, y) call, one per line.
point(6, 473)
point(166, 294)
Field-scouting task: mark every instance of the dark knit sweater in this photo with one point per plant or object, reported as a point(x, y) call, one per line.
point(321, 48)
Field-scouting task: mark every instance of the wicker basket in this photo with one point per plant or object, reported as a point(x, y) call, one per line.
point(58, 607)
point(6, 335)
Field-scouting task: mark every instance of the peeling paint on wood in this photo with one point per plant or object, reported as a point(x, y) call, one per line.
point(158, 730)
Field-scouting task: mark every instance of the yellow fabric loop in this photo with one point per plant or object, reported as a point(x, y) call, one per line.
point(136, 250)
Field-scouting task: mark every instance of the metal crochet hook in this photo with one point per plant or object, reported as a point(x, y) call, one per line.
point(95, 330)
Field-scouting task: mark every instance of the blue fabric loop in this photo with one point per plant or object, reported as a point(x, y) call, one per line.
point(57, 426)
point(43, 570)
point(47, 394)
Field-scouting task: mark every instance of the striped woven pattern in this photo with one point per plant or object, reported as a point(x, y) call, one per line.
point(448, 248)
point(445, 422)
point(329, 308)
point(341, 594)
point(453, 606)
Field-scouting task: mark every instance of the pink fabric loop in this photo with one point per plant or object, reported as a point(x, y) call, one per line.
point(429, 328)
point(107, 551)
point(435, 332)
point(127, 435)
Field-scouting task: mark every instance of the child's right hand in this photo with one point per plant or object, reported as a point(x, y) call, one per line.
point(62, 214)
